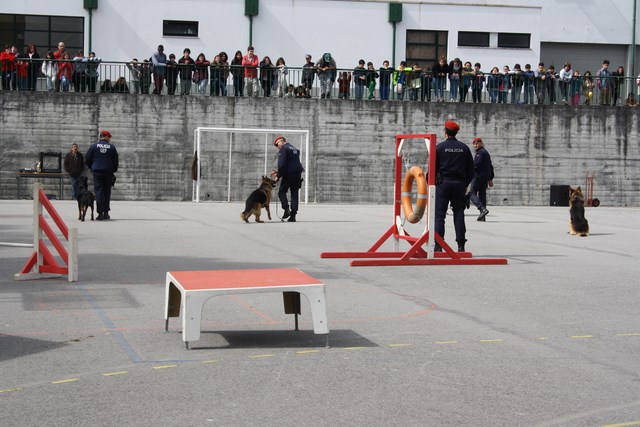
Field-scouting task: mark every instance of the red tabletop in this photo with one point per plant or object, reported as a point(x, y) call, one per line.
point(223, 279)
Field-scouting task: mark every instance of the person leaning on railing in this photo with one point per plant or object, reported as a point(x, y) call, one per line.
point(186, 64)
point(92, 71)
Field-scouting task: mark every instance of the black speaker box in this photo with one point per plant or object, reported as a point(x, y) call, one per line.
point(559, 195)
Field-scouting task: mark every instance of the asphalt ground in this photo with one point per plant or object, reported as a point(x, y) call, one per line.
point(551, 339)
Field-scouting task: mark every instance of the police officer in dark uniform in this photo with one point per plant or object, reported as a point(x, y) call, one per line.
point(102, 159)
point(290, 174)
point(454, 172)
point(482, 179)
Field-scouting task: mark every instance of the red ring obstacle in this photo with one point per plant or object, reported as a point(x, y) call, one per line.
point(416, 254)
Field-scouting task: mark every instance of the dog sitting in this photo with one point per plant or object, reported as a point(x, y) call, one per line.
point(578, 225)
point(85, 198)
point(260, 198)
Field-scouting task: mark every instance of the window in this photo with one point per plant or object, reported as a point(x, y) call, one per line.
point(473, 39)
point(514, 40)
point(180, 28)
point(424, 47)
point(43, 31)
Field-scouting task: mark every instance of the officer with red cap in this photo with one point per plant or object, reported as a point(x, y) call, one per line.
point(454, 172)
point(102, 159)
point(290, 174)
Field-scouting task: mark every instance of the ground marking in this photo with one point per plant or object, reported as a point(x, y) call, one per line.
point(307, 351)
point(491, 340)
point(206, 362)
point(353, 348)
point(259, 356)
point(110, 374)
point(630, 423)
point(11, 389)
point(164, 366)
point(70, 380)
point(400, 345)
point(578, 337)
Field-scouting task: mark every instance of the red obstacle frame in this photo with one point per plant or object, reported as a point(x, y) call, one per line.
point(42, 263)
point(416, 254)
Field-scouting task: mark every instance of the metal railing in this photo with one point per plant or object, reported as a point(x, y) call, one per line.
point(127, 77)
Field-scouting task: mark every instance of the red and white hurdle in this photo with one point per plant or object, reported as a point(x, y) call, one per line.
point(416, 254)
point(42, 263)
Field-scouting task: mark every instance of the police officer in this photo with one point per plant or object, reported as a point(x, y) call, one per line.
point(454, 172)
point(290, 174)
point(483, 177)
point(102, 159)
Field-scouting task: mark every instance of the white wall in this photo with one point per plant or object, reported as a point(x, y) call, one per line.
point(350, 30)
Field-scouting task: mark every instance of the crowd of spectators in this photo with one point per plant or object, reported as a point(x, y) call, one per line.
point(443, 81)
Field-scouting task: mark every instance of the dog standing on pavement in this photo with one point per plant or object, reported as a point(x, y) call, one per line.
point(258, 199)
point(85, 198)
point(578, 224)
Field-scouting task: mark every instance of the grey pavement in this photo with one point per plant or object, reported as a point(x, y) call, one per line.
point(551, 339)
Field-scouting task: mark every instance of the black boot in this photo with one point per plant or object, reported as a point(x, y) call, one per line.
point(437, 248)
point(287, 213)
point(460, 247)
point(483, 213)
point(292, 218)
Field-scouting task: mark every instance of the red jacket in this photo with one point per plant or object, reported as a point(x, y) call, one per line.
point(251, 67)
point(65, 69)
point(8, 61)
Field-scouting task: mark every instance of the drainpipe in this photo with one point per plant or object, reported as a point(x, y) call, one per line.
point(633, 43)
point(90, 27)
point(395, 16)
point(251, 9)
point(393, 49)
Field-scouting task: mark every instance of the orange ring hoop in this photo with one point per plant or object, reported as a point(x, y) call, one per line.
point(415, 173)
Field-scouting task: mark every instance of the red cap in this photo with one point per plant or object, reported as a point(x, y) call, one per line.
point(105, 133)
point(451, 125)
point(478, 139)
point(278, 138)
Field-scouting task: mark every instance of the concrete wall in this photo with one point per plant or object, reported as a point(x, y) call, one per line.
point(351, 150)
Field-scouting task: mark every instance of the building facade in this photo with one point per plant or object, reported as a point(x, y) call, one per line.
point(493, 33)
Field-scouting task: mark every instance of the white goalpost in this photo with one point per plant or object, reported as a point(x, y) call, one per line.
point(302, 145)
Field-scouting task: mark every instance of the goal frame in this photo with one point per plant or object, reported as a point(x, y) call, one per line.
point(197, 145)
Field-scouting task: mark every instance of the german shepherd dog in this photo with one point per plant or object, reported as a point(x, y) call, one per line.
point(85, 198)
point(260, 198)
point(578, 225)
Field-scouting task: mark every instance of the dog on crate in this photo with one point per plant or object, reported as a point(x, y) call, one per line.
point(258, 199)
point(578, 224)
point(85, 198)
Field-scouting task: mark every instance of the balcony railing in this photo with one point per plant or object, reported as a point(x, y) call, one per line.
point(130, 78)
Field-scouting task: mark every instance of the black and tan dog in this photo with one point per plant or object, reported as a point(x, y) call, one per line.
point(260, 198)
point(578, 224)
point(85, 198)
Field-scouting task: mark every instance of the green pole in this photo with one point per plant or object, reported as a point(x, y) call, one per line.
point(633, 52)
point(250, 30)
point(393, 48)
point(90, 27)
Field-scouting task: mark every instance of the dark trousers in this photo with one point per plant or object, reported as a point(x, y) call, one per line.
point(158, 79)
point(102, 187)
point(476, 93)
point(451, 192)
point(79, 82)
point(290, 182)
point(478, 193)
point(74, 187)
point(238, 86)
